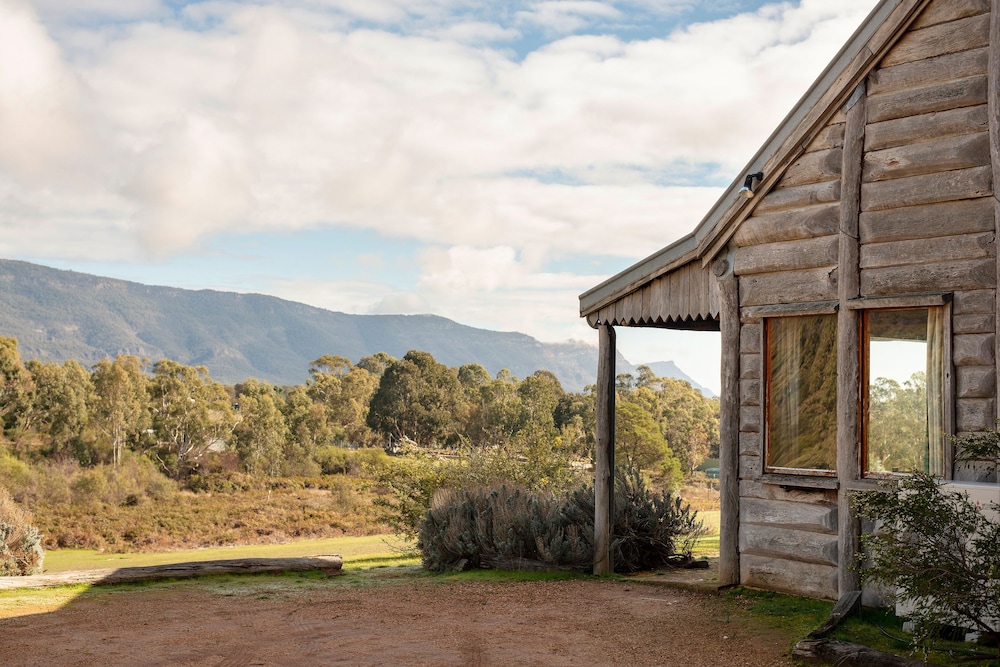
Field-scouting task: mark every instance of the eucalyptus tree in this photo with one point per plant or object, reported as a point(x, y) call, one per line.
point(58, 404)
point(15, 383)
point(119, 405)
point(260, 436)
point(191, 414)
point(417, 398)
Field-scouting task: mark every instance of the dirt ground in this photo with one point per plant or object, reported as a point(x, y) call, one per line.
point(267, 621)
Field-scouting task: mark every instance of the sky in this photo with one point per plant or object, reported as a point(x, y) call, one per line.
point(482, 161)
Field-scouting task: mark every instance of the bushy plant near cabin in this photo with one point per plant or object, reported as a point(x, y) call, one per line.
point(20, 543)
point(510, 526)
point(651, 529)
point(404, 489)
point(935, 549)
point(505, 527)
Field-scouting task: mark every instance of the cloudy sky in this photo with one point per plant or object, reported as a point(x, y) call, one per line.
point(484, 161)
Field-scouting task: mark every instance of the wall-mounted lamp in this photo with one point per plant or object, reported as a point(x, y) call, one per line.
point(748, 184)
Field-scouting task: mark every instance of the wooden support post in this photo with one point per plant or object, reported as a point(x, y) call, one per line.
point(604, 457)
point(993, 113)
point(729, 425)
point(848, 358)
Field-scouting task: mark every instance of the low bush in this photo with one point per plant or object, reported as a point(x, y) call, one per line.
point(513, 527)
point(20, 543)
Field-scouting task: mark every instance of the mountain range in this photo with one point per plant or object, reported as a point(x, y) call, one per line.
point(57, 315)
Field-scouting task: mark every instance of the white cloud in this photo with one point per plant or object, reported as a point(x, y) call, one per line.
point(567, 16)
point(41, 132)
point(267, 123)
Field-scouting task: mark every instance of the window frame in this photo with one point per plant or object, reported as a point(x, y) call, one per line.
point(826, 308)
point(906, 302)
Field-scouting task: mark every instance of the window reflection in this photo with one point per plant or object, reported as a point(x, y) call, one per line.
point(903, 391)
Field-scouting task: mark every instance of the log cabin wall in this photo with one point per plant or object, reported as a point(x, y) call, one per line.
point(926, 225)
point(786, 253)
point(927, 211)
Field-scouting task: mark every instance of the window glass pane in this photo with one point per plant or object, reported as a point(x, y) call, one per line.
point(802, 392)
point(904, 426)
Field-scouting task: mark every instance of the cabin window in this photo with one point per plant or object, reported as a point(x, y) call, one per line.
point(801, 394)
point(903, 391)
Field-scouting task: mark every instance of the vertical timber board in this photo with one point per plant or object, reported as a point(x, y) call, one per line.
point(604, 459)
point(729, 427)
point(993, 113)
point(848, 371)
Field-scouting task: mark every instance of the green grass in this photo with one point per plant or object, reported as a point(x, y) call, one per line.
point(373, 546)
point(797, 615)
point(882, 630)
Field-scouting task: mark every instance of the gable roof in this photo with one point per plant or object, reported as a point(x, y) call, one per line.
point(834, 88)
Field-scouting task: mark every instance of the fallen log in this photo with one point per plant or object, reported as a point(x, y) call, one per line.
point(330, 564)
point(846, 654)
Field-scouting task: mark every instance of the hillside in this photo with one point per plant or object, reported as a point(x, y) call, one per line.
point(57, 315)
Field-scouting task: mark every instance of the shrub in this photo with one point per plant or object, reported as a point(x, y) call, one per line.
point(509, 527)
point(335, 460)
point(935, 549)
point(651, 529)
point(20, 544)
point(513, 527)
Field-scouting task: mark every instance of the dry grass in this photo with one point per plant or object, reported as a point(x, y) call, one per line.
point(193, 520)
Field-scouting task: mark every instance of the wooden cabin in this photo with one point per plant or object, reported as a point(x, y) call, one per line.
point(850, 268)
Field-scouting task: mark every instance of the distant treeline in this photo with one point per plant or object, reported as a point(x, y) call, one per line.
point(185, 422)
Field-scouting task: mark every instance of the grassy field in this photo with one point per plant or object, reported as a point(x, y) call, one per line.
point(351, 548)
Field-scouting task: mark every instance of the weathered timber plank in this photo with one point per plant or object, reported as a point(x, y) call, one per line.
point(849, 287)
point(729, 427)
point(949, 10)
point(917, 278)
point(973, 414)
point(750, 366)
point(965, 92)
point(777, 574)
point(966, 216)
point(750, 338)
point(814, 167)
point(750, 419)
point(973, 301)
point(783, 542)
point(961, 35)
point(799, 197)
point(786, 256)
point(769, 491)
point(845, 654)
point(975, 381)
point(973, 323)
point(749, 392)
point(934, 125)
point(329, 563)
point(921, 73)
point(604, 451)
point(972, 350)
point(803, 223)
point(750, 468)
point(993, 81)
point(927, 157)
point(927, 189)
point(788, 287)
point(798, 515)
point(831, 136)
point(920, 251)
point(750, 444)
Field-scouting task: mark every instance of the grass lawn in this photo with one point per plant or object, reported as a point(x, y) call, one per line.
point(364, 549)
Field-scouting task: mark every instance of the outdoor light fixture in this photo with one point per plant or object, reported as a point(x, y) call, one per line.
point(747, 189)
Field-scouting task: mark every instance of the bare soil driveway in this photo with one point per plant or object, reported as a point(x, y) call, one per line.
point(382, 621)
